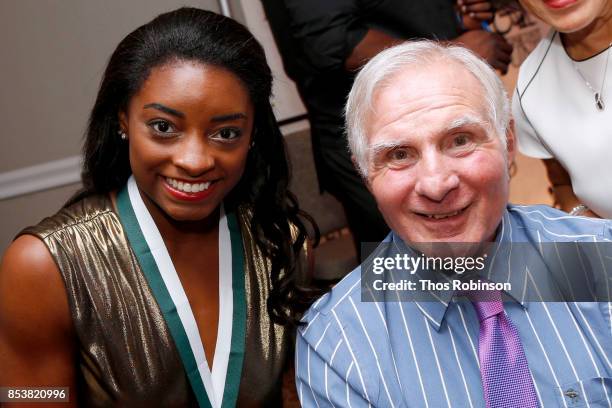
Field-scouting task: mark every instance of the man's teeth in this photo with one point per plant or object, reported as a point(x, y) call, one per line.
point(188, 187)
point(440, 216)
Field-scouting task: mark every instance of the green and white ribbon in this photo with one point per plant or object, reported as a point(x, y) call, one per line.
point(218, 388)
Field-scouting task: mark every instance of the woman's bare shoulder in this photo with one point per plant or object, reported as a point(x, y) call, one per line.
point(33, 301)
point(31, 287)
point(36, 334)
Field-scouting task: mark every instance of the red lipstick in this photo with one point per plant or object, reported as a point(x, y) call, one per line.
point(184, 196)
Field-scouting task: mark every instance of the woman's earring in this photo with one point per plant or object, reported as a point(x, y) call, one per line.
point(122, 134)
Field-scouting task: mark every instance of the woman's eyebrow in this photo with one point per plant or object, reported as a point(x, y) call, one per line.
point(165, 109)
point(228, 117)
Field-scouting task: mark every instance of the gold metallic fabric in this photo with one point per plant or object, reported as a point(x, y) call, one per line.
point(126, 354)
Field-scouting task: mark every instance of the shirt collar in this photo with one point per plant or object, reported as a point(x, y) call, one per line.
point(431, 303)
point(500, 269)
point(516, 255)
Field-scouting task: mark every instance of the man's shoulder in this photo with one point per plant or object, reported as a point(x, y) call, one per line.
point(551, 224)
point(339, 309)
point(341, 294)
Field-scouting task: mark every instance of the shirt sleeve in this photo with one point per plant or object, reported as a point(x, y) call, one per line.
point(319, 384)
point(529, 142)
point(327, 30)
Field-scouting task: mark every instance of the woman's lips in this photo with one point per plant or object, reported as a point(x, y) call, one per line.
point(557, 4)
point(188, 191)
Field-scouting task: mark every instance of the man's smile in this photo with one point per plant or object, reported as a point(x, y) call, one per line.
point(441, 215)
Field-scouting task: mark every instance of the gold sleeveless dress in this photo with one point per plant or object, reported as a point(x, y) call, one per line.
point(127, 356)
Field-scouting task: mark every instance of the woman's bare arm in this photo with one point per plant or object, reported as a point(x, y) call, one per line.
point(561, 187)
point(37, 341)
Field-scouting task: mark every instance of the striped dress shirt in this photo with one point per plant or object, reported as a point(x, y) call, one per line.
point(425, 354)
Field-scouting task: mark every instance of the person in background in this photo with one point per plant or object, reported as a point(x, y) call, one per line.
point(324, 42)
point(430, 128)
point(563, 103)
point(166, 280)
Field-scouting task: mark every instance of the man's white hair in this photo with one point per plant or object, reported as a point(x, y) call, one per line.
point(380, 69)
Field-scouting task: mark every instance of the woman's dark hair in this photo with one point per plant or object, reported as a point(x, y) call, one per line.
point(192, 34)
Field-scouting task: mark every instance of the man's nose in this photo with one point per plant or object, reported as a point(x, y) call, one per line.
point(435, 177)
point(194, 156)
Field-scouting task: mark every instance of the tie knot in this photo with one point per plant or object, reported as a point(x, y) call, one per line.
point(486, 303)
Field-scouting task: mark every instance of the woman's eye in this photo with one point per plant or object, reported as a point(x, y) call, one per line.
point(162, 127)
point(227, 134)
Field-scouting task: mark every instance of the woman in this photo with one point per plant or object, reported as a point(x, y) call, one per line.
point(160, 284)
point(563, 103)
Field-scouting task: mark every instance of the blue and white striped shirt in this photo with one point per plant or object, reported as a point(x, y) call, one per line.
point(425, 354)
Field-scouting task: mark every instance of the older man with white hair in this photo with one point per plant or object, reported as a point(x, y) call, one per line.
point(430, 130)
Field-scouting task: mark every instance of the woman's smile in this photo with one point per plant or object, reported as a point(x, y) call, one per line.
point(188, 191)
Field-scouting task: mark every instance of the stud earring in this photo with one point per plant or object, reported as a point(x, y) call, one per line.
point(122, 134)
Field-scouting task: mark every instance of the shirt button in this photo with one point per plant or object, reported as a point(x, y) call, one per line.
point(572, 395)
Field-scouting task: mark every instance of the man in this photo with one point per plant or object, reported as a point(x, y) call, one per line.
point(324, 42)
point(430, 130)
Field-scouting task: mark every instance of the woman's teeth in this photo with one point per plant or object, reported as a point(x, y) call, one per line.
point(187, 187)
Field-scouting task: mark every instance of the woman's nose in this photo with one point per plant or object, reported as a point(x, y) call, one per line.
point(194, 156)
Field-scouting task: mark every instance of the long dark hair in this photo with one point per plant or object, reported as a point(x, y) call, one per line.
point(197, 35)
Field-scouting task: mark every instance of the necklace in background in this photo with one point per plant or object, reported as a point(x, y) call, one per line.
point(599, 103)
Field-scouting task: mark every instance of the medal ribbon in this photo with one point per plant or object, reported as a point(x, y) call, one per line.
point(219, 388)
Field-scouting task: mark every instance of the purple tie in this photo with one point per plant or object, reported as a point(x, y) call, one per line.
point(506, 379)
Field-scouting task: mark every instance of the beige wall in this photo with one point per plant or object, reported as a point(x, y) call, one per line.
point(29, 209)
point(53, 54)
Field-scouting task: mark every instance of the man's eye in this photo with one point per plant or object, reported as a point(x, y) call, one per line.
point(398, 154)
point(399, 158)
point(227, 134)
point(162, 126)
point(461, 140)
point(462, 143)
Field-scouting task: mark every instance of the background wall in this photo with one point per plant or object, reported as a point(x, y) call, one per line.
point(53, 55)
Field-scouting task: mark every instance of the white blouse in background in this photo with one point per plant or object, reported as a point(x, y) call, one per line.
point(556, 116)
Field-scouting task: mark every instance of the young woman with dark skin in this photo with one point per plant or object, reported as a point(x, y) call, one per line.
point(184, 108)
